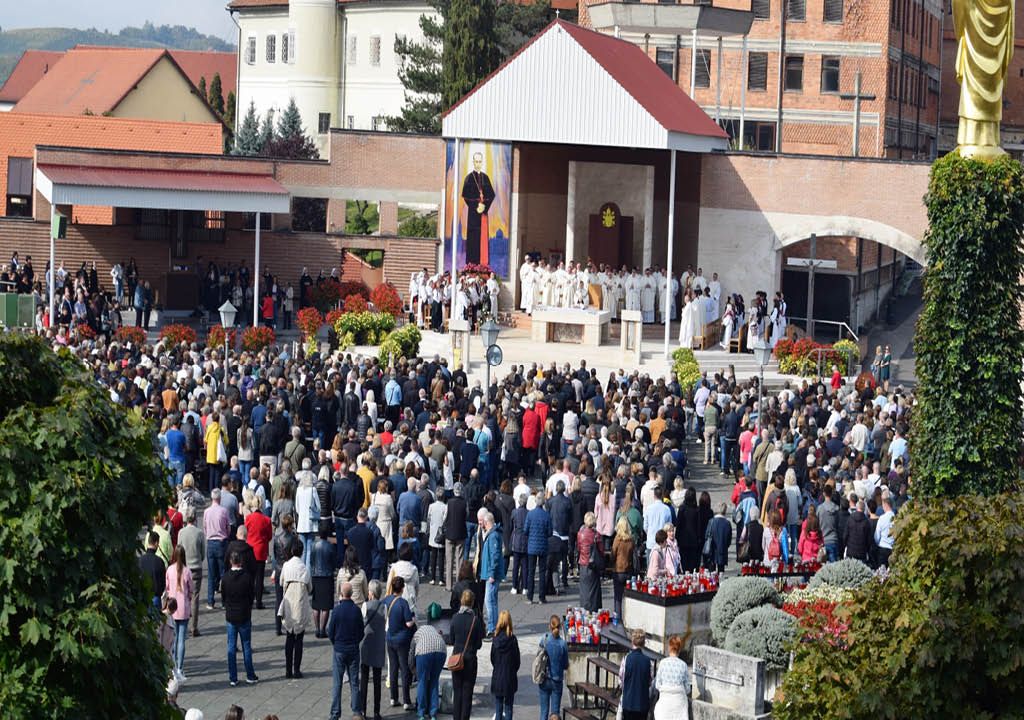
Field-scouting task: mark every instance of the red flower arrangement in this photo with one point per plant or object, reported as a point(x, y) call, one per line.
point(257, 338)
point(85, 332)
point(356, 303)
point(309, 320)
point(355, 287)
point(176, 333)
point(386, 300)
point(480, 269)
point(130, 334)
point(332, 317)
point(215, 337)
point(819, 621)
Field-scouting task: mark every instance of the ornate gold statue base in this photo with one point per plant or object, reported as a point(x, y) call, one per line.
point(978, 139)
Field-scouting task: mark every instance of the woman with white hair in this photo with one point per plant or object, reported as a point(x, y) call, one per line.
point(307, 509)
point(792, 518)
point(371, 409)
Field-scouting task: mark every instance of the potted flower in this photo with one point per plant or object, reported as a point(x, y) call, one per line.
point(257, 338)
point(177, 333)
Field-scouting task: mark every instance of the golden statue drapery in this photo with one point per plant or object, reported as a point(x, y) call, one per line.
point(984, 32)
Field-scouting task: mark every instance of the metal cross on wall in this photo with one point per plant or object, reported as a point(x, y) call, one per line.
point(857, 98)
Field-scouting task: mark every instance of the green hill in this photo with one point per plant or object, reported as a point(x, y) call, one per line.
point(14, 42)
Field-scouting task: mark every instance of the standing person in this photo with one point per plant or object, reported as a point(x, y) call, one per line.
point(373, 649)
point(237, 594)
point(192, 539)
point(259, 534)
point(720, 532)
point(178, 581)
point(454, 534)
point(345, 630)
point(400, 624)
point(307, 507)
point(519, 545)
point(673, 683)
point(558, 662)
point(295, 610)
point(688, 531)
point(282, 553)
point(321, 568)
point(492, 570)
point(591, 563)
point(538, 530)
point(505, 663)
point(429, 650)
point(635, 676)
point(216, 526)
point(883, 531)
point(828, 523)
point(623, 548)
point(435, 538)
point(467, 637)
point(216, 449)
point(772, 541)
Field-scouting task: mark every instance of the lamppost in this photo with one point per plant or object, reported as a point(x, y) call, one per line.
point(763, 355)
point(227, 321)
point(492, 354)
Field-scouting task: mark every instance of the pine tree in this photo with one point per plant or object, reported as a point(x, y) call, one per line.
point(290, 141)
point(419, 70)
point(217, 96)
point(229, 111)
point(267, 133)
point(470, 48)
point(202, 86)
point(247, 141)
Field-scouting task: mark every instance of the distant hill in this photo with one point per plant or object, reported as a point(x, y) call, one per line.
point(178, 37)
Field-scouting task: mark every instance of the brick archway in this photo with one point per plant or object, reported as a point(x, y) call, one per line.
point(790, 229)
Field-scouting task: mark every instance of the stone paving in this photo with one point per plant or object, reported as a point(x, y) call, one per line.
point(206, 665)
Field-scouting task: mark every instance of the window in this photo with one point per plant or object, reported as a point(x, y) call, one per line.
point(794, 73)
point(250, 50)
point(756, 135)
point(19, 187)
point(757, 71)
point(350, 122)
point(665, 58)
point(761, 9)
point(703, 74)
point(375, 51)
point(377, 122)
point(288, 47)
point(829, 74)
point(249, 221)
point(271, 48)
point(324, 123)
point(796, 10)
point(833, 12)
point(353, 49)
point(893, 82)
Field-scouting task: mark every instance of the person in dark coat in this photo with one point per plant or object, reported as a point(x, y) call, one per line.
point(688, 534)
point(538, 530)
point(350, 406)
point(153, 567)
point(505, 663)
point(720, 530)
point(244, 551)
point(858, 534)
point(753, 534)
point(373, 648)
point(506, 506)
point(636, 685)
point(467, 637)
point(455, 533)
point(519, 546)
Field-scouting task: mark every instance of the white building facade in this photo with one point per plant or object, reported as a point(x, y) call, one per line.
point(335, 57)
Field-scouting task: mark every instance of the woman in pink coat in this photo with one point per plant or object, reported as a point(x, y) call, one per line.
point(179, 587)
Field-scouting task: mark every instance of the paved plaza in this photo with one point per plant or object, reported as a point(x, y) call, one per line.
point(206, 665)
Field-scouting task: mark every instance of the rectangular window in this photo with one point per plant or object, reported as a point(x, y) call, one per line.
point(291, 47)
point(794, 73)
point(350, 122)
point(324, 123)
point(833, 11)
point(765, 138)
point(271, 48)
point(375, 51)
point(284, 48)
point(353, 50)
point(761, 8)
point(19, 187)
point(250, 50)
point(829, 74)
point(757, 71)
point(377, 122)
point(666, 60)
point(703, 74)
point(796, 10)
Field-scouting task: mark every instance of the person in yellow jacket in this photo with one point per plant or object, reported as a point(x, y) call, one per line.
point(216, 449)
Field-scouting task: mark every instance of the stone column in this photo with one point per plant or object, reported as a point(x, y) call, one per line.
point(648, 218)
point(570, 213)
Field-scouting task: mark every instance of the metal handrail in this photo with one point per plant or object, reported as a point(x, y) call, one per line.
point(840, 325)
point(819, 363)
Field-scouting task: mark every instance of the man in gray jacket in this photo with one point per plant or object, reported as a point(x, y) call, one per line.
point(828, 522)
point(194, 541)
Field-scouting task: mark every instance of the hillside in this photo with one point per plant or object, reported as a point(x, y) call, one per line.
point(179, 37)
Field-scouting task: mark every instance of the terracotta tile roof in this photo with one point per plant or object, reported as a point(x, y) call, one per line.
point(199, 64)
point(31, 67)
point(90, 78)
point(152, 179)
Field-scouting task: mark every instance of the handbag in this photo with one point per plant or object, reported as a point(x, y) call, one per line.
point(439, 535)
point(706, 550)
point(455, 663)
point(743, 554)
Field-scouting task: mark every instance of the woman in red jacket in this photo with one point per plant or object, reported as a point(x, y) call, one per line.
point(530, 438)
point(259, 534)
point(267, 310)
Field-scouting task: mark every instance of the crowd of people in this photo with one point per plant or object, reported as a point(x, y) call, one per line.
point(345, 485)
point(430, 297)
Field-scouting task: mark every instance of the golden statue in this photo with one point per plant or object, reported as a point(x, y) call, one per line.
point(984, 32)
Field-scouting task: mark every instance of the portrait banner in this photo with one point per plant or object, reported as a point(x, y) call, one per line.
point(480, 191)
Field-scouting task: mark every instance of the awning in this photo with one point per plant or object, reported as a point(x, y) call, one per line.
point(161, 189)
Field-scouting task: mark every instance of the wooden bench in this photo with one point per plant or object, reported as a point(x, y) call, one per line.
point(711, 335)
point(736, 343)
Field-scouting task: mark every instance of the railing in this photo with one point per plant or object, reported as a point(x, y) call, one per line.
point(821, 362)
point(839, 325)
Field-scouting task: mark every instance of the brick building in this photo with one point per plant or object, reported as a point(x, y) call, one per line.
point(893, 44)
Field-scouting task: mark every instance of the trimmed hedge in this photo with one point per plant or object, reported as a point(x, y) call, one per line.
point(686, 369)
point(764, 632)
point(735, 596)
point(402, 343)
point(846, 573)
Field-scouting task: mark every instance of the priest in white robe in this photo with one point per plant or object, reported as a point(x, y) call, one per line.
point(632, 288)
point(688, 320)
point(728, 323)
point(647, 296)
point(674, 296)
point(716, 292)
point(525, 284)
point(546, 285)
point(699, 282)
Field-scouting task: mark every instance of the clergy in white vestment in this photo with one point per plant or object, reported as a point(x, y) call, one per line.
point(776, 328)
point(546, 285)
point(688, 320)
point(716, 292)
point(659, 294)
point(557, 280)
point(710, 308)
point(728, 323)
point(461, 302)
point(526, 284)
point(699, 282)
point(594, 285)
point(674, 297)
point(492, 288)
point(600, 278)
point(632, 288)
point(647, 296)
point(581, 289)
point(610, 294)
point(686, 278)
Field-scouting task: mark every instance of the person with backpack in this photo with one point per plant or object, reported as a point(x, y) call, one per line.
point(773, 541)
point(549, 666)
point(775, 498)
point(745, 503)
point(492, 569)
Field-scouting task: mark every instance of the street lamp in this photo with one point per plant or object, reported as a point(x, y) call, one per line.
point(762, 355)
point(227, 321)
point(489, 334)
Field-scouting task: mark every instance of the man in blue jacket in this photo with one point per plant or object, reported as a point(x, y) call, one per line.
point(492, 570)
point(538, 530)
point(345, 630)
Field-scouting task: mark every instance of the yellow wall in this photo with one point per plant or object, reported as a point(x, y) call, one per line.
point(164, 94)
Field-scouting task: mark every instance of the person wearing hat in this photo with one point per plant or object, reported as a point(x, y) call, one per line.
point(429, 649)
